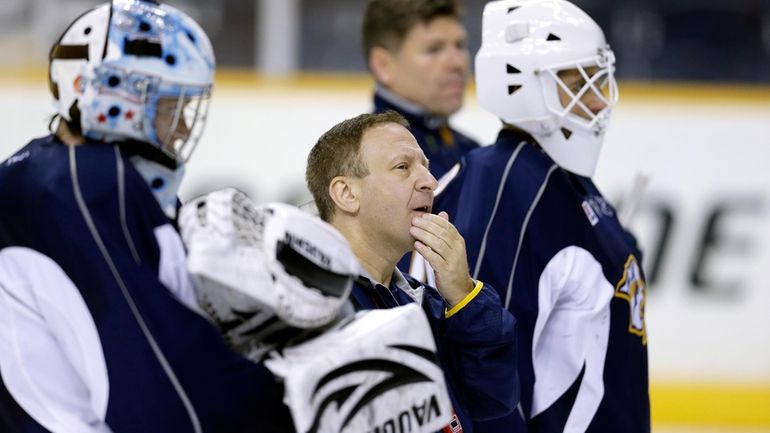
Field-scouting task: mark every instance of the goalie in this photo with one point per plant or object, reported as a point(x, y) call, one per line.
point(99, 325)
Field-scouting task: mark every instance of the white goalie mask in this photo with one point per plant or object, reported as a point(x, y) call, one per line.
point(135, 71)
point(525, 46)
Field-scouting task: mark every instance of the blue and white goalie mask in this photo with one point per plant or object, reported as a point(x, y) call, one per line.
point(545, 67)
point(138, 72)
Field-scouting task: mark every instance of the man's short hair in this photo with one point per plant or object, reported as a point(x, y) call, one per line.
point(337, 153)
point(386, 22)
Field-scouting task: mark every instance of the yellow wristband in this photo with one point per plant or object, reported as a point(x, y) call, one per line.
point(468, 298)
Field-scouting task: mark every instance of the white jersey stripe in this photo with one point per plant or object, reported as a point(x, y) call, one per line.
point(523, 230)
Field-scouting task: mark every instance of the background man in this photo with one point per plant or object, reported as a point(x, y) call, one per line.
point(417, 53)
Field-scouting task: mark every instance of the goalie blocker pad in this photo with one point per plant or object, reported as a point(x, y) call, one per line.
point(376, 372)
point(282, 259)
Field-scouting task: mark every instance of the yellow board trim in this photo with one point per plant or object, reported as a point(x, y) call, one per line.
point(715, 405)
point(468, 298)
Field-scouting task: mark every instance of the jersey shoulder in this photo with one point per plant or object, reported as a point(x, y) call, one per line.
point(30, 175)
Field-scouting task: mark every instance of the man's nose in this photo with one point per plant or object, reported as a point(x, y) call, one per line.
point(426, 181)
point(458, 58)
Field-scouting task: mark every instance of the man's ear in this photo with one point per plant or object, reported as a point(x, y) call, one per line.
point(344, 194)
point(381, 63)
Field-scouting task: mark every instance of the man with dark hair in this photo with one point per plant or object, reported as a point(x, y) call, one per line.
point(370, 180)
point(416, 51)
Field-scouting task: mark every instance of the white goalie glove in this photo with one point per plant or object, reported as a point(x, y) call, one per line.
point(375, 372)
point(266, 274)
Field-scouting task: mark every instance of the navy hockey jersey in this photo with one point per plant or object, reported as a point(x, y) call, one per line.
point(475, 345)
point(98, 329)
point(442, 145)
point(552, 246)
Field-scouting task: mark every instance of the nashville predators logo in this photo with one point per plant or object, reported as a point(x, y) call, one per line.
point(633, 289)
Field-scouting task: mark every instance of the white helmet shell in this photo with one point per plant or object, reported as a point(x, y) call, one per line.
point(525, 44)
point(116, 63)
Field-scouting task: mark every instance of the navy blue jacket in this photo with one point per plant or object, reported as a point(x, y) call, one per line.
point(552, 246)
point(475, 345)
point(40, 214)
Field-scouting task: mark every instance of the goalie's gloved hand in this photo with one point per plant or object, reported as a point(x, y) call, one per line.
point(266, 274)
